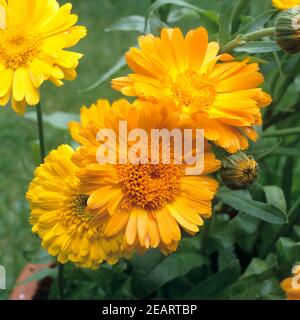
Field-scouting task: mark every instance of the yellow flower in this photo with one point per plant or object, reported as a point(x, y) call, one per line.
point(59, 215)
point(285, 4)
point(220, 95)
point(33, 36)
point(148, 202)
point(287, 285)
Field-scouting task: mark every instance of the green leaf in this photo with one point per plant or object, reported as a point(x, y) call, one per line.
point(282, 132)
point(287, 152)
point(275, 196)
point(256, 266)
point(258, 22)
point(287, 178)
point(225, 23)
point(276, 232)
point(238, 10)
point(262, 153)
point(172, 267)
point(40, 275)
point(288, 252)
point(57, 120)
point(130, 23)
point(258, 47)
point(213, 286)
point(39, 256)
point(252, 287)
point(181, 3)
point(108, 74)
point(297, 231)
point(242, 201)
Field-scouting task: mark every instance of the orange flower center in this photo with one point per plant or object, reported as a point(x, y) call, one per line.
point(194, 90)
point(149, 186)
point(18, 47)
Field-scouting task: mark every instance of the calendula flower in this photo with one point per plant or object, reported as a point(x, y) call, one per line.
point(219, 94)
point(150, 203)
point(239, 171)
point(285, 4)
point(60, 216)
point(287, 30)
point(33, 37)
point(291, 285)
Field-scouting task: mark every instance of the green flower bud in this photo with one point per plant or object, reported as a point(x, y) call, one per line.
point(239, 171)
point(287, 30)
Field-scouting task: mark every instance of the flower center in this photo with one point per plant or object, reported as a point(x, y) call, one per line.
point(76, 210)
point(194, 90)
point(149, 186)
point(18, 47)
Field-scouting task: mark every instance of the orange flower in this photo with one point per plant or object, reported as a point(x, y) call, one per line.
point(220, 95)
point(150, 203)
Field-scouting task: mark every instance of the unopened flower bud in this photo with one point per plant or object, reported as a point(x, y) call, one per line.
point(239, 171)
point(287, 30)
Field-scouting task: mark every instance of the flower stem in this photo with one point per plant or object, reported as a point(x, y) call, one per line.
point(60, 280)
point(41, 131)
point(252, 36)
point(39, 114)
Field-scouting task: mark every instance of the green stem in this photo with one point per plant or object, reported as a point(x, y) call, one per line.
point(39, 114)
point(252, 36)
point(280, 133)
point(60, 279)
point(41, 131)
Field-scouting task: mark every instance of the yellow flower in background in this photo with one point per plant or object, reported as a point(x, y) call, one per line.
point(291, 285)
point(59, 215)
point(150, 203)
point(33, 37)
point(285, 4)
point(220, 95)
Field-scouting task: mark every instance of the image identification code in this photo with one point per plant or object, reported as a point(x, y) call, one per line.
point(150, 309)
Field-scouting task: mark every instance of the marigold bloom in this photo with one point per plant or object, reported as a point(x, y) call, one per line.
point(220, 95)
point(149, 202)
point(33, 36)
point(285, 4)
point(291, 286)
point(59, 215)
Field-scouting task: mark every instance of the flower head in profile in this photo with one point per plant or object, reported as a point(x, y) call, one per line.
point(150, 203)
point(220, 95)
point(291, 285)
point(34, 36)
point(285, 4)
point(287, 30)
point(239, 171)
point(60, 216)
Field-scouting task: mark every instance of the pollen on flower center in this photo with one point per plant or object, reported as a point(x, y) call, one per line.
point(76, 210)
point(149, 186)
point(18, 47)
point(194, 88)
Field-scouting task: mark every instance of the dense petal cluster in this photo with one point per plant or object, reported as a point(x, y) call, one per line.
point(33, 37)
point(218, 94)
point(149, 203)
point(60, 216)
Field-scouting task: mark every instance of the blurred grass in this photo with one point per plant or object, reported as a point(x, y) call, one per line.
point(101, 50)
